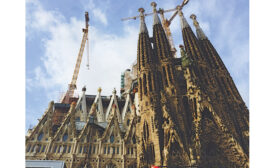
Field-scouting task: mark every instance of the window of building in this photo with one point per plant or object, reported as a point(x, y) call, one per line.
point(80, 149)
point(134, 139)
point(114, 150)
point(55, 149)
point(112, 138)
point(104, 149)
point(59, 148)
point(132, 150)
point(40, 136)
point(93, 149)
point(29, 147)
point(69, 150)
point(90, 149)
point(108, 149)
point(43, 149)
point(117, 150)
point(65, 137)
point(64, 148)
point(38, 148)
point(33, 148)
point(85, 149)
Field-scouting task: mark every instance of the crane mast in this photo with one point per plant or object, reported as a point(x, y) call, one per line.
point(72, 85)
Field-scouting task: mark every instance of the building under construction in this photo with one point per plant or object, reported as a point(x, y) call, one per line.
point(171, 112)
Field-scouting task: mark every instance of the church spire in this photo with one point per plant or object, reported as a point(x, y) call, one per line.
point(183, 21)
point(200, 33)
point(156, 17)
point(143, 28)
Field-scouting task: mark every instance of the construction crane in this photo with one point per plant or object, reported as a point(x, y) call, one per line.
point(72, 85)
point(165, 23)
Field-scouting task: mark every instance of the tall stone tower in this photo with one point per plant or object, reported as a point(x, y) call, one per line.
point(190, 114)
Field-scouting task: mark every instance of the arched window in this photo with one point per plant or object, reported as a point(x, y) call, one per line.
point(134, 139)
point(65, 137)
point(128, 122)
point(40, 136)
point(112, 138)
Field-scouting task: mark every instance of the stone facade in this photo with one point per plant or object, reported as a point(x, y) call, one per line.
point(172, 112)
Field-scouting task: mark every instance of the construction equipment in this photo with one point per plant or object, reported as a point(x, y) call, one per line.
point(165, 23)
point(72, 85)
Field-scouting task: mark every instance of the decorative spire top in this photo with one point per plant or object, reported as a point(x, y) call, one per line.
point(99, 89)
point(199, 31)
point(156, 17)
point(84, 89)
point(184, 23)
point(114, 91)
point(143, 28)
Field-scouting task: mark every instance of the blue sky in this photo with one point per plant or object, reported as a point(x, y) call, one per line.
point(54, 32)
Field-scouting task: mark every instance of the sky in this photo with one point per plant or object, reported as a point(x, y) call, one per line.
point(54, 33)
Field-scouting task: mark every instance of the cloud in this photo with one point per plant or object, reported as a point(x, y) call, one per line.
point(100, 16)
point(110, 54)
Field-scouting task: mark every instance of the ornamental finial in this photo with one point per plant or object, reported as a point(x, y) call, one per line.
point(156, 19)
point(143, 28)
point(184, 22)
point(200, 33)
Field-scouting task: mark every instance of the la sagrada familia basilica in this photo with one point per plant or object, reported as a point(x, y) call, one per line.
point(173, 112)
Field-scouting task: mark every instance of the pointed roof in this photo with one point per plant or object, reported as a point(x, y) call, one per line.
point(113, 103)
point(113, 122)
point(127, 105)
point(183, 21)
point(155, 16)
point(200, 33)
point(98, 103)
point(143, 27)
point(161, 43)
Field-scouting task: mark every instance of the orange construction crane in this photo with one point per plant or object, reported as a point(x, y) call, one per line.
point(165, 22)
point(72, 85)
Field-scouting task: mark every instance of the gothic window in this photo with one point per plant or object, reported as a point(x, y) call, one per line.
point(187, 110)
point(77, 119)
point(132, 150)
point(112, 138)
point(80, 149)
point(104, 149)
point(165, 76)
point(161, 82)
point(145, 131)
point(108, 149)
point(195, 107)
point(55, 147)
point(59, 149)
point(69, 150)
point(134, 139)
point(150, 82)
point(85, 149)
point(128, 122)
point(117, 151)
point(65, 137)
point(128, 151)
point(29, 147)
point(140, 88)
point(38, 148)
point(33, 148)
point(40, 136)
point(43, 149)
point(93, 149)
point(145, 84)
point(114, 150)
point(64, 148)
point(169, 73)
